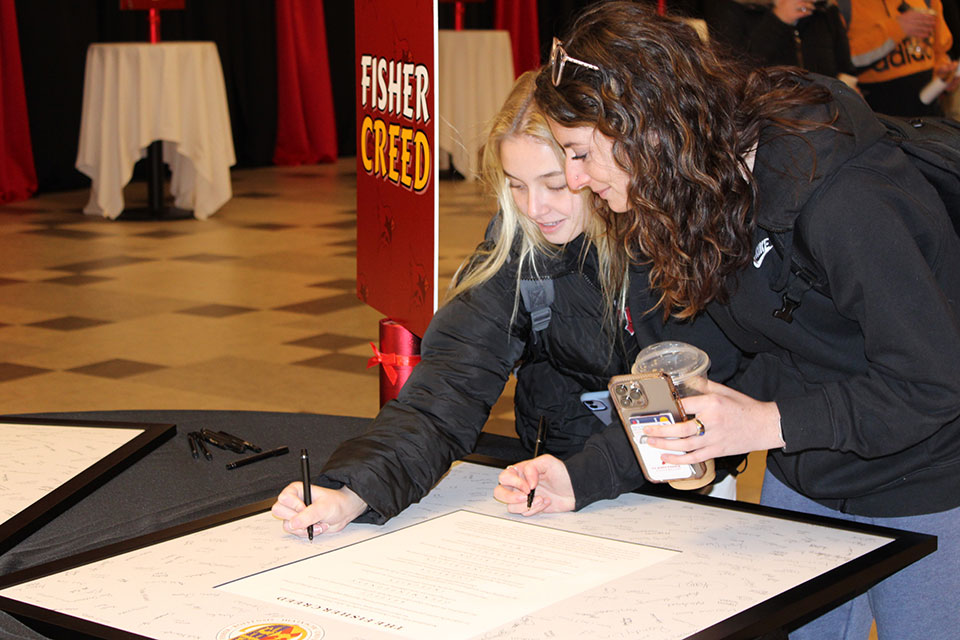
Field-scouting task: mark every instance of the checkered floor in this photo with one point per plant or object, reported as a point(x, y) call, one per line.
point(253, 309)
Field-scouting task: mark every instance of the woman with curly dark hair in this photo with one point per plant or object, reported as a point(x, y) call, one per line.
point(774, 201)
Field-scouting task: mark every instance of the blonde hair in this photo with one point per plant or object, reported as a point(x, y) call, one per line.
point(515, 232)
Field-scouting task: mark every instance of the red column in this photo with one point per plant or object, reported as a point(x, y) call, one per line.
point(154, 26)
point(18, 176)
point(399, 353)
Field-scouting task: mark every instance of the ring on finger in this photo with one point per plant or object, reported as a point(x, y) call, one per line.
point(701, 428)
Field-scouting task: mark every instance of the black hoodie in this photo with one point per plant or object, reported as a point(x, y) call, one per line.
point(866, 380)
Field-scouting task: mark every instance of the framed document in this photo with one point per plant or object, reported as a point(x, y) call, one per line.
point(49, 465)
point(458, 566)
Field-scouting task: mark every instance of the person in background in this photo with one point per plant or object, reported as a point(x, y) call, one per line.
point(951, 15)
point(546, 231)
point(950, 102)
point(725, 180)
point(898, 46)
point(844, 6)
point(809, 34)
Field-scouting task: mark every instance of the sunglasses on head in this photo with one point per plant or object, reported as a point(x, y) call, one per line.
point(559, 58)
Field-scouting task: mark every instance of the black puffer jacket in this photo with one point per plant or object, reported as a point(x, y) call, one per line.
point(468, 353)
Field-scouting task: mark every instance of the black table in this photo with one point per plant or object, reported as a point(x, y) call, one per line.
point(168, 487)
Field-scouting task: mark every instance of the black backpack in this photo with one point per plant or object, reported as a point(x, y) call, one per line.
point(933, 145)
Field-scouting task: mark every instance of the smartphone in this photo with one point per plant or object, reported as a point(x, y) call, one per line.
point(645, 398)
point(598, 402)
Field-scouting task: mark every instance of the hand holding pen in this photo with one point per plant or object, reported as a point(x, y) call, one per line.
point(543, 476)
point(550, 477)
point(305, 475)
point(541, 434)
point(330, 509)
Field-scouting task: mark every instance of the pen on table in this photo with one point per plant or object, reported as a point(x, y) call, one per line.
point(193, 446)
point(541, 428)
point(203, 448)
point(220, 441)
point(246, 443)
point(305, 474)
point(279, 451)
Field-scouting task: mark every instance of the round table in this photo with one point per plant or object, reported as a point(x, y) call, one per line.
point(134, 94)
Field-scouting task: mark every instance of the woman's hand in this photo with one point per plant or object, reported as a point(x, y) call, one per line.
point(733, 423)
point(790, 11)
point(917, 24)
point(548, 475)
point(948, 71)
point(330, 509)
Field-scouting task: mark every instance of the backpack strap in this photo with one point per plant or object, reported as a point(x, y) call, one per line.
point(537, 293)
point(804, 273)
point(792, 297)
point(933, 146)
point(537, 297)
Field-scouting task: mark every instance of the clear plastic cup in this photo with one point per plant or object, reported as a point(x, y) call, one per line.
point(687, 366)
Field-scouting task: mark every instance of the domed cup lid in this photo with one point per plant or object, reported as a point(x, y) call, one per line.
point(679, 359)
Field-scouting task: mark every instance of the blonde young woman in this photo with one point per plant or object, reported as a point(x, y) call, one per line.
point(544, 230)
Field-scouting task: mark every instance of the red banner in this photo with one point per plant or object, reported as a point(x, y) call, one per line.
point(396, 162)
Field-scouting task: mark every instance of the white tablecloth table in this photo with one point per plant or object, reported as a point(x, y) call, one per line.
point(136, 93)
point(476, 73)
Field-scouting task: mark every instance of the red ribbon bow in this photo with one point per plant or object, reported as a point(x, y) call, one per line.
point(389, 361)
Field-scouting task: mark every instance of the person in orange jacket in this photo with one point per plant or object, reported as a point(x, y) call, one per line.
point(898, 46)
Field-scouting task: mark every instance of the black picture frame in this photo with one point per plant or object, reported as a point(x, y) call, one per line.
point(29, 519)
point(800, 603)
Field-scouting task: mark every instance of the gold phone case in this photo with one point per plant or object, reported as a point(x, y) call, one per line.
point(642, 398)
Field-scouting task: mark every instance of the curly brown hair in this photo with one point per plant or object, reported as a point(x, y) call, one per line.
point(683, 119)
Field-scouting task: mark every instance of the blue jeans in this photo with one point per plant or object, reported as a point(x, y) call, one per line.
point(918, 602)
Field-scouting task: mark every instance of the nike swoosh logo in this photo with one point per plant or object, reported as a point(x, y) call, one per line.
point(760, 252)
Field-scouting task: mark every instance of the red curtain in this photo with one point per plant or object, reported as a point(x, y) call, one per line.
point(306, 129)
point(18, 177)
point(519, 17)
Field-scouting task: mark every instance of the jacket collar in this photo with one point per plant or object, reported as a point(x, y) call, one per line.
point(790, 167)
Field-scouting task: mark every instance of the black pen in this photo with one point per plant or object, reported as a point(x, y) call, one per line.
point(193, 446)
point(541, 428)
point(246, 443)
point(305, 474)
point(203, 448)
point(279, 451)
point(221, 441)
